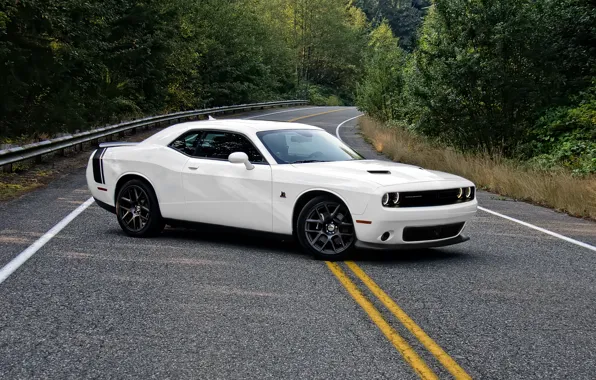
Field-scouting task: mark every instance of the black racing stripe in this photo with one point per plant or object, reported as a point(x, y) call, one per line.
point(103, 177)
point(97, 165)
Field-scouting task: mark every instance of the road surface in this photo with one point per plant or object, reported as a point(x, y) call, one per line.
point(514, 302)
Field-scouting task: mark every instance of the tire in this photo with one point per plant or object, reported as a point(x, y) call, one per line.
point(325, 229)
point(137, 210)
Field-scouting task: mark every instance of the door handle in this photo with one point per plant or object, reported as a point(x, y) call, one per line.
point(193, 167)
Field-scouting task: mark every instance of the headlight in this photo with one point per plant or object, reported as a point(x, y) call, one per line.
point(460, 193)
point(390, 200)
point(385, 200)
point(468, 192)
point(395, 199)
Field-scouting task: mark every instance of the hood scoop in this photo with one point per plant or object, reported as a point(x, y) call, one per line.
point(379, 171)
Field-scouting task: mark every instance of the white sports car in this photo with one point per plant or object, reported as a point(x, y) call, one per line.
point(282, 178)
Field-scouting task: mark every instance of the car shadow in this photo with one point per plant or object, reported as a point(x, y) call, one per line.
point(237, 239)
point(411, 256)
point(286, 245)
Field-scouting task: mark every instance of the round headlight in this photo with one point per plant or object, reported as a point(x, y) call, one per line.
point(385, 200)
point(460, 193)
point(468, 192)
point(395, 199)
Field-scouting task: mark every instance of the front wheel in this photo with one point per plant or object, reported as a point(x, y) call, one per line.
point(325, 229)
point(137, 210)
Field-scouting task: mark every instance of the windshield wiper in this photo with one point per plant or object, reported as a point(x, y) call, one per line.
point(307, 161)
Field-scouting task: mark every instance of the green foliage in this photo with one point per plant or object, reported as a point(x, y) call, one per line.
point(68, 64)
point(402, 16)
point(566, 136)
point(478, 63)
point(380, 94)
point(71, 64)
point(328, 39)
point(511, 78)
point(321, 96)
point(3, 20)
point(488, 70)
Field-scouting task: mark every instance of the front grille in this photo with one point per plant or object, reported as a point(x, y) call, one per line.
point(431, 198)
point(432, 232)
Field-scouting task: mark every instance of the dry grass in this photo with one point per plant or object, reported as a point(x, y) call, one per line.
point(560, 190)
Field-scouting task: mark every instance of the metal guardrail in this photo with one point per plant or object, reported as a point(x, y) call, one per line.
point(35, 151)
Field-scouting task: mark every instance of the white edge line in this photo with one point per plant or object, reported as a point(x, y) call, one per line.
point(342, 124)
point(15, 263)
point(275, 113)
point(562, 237)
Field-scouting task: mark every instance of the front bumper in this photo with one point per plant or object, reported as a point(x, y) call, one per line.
point(402, 247)
point(378, 221)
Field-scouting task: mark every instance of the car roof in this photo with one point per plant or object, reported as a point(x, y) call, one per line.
point(233, 125)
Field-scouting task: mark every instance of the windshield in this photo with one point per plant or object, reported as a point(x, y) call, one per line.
point(296, 146)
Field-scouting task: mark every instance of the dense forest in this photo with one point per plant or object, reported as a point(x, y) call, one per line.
point(507, 78)
point(71, 64)
point(513, 78)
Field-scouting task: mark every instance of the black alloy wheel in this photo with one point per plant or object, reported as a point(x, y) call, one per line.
point(137, 210)
point(325, 228)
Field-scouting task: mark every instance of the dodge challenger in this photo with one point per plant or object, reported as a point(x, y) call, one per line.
point(281, 178)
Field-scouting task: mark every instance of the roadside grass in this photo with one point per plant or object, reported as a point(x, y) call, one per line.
point(12, 190)
point(558, 189)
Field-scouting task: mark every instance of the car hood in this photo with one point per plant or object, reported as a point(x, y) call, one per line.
point(383, 173)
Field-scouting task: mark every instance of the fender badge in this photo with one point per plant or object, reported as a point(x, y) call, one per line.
point(283, 194)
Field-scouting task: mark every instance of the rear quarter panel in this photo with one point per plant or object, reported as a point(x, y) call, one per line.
point(160, 166)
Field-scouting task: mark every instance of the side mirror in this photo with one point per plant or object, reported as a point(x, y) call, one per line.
point(241, 158)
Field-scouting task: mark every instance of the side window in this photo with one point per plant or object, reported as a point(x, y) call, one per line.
point(187, 143)
point(219, 145)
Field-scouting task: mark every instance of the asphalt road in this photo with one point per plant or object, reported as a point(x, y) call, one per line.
point(512, 303)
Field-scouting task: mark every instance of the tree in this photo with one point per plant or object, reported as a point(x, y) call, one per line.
point(403, 16)
point(380, 92)
point(71, 63)
point(485, 72)
point(328, 38)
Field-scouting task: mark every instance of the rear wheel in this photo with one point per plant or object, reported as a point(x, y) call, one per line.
point(325, 229)
point(137, 210)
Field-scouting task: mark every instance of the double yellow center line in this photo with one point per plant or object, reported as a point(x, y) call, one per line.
point(408, 353)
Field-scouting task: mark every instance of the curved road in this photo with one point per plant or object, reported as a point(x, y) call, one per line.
point(514, 302)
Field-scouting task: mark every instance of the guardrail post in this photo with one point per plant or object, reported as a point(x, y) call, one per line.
point(7, 168)
point(38, 159)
